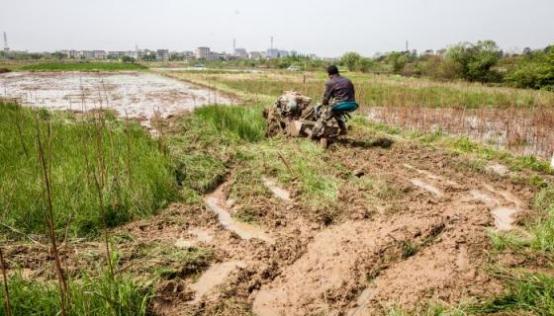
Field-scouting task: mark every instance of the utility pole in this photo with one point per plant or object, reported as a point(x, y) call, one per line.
point(6, 48)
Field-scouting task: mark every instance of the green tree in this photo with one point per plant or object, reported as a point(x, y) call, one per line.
point(397, 60)
point(365, 64)
point(474, 62)
point(351, 60)
point(535, 70)
point(127, 59)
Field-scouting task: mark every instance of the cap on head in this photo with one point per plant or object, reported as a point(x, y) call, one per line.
point(332, 70)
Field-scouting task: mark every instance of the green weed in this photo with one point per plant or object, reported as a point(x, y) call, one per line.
point(532, 292)
point(208, 140)
point(102, 295)
point(138, 180)
point(543, 230)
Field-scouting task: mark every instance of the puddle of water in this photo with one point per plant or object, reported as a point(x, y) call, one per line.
point(502, 214)
point(131, 94)
point(423, 172)
point(216, 201)
point(279, 192)
point(503, 217)
point(508, 196)
point(498, 169)
point(427, 187)
point(486, 125)
point(184, 244)
point(214, 276)
point(202, 235)
point(483, 197)
point(361, 303)
point(431, 175)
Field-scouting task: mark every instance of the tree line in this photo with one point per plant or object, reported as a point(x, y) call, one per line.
point(477, 62)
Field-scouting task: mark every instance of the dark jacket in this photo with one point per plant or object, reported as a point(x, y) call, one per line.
point(338, 89)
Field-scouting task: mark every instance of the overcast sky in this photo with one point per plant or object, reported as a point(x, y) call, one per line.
point(324, 27)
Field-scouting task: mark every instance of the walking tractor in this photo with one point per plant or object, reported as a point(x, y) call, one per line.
point(293, 115)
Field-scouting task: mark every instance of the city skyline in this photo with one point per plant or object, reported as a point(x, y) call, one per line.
point(367, 27)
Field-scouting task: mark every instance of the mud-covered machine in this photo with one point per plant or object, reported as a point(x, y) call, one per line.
point(293, 115)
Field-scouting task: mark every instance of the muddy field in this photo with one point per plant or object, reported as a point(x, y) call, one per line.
point(135, 95)
point(521, 130)
point(425, 239)
point(376, 224)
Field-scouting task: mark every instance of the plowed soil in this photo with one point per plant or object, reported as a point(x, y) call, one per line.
point(425, 239)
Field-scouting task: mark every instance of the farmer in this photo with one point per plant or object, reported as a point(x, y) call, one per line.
point(340, 96)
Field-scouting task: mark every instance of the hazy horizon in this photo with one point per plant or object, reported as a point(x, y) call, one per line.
point(318, 27)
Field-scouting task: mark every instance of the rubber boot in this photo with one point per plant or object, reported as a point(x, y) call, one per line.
point(342, 126)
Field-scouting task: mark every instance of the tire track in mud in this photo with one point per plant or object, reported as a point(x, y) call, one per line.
point(217, 202)
point(429, 246)
point(331, 277)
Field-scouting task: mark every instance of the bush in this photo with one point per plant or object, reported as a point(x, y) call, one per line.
point(535, 71)
point(351, 60)
point(354, 61)
point(474, 62)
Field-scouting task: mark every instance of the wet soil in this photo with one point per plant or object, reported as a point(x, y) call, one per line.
point(134, 95)
point(424, 239)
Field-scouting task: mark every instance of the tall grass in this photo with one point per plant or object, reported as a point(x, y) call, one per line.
point(208, 140)
point(74, 196)
point(543, 230)
point(49, 212)
point(90, 295)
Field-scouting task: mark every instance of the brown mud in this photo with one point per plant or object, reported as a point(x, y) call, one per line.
point(424, 239)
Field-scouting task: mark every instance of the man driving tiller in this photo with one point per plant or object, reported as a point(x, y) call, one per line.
point(340, 96)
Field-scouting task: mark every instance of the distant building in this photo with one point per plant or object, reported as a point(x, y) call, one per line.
point(240, 53)
point(99, 54)
point(202, 53)
point(87, 54)
point(256, 55)
point(162, 54)
point(116, 54)
point(216, 56)
point(120, 54)
point(283, 53)
point(272, 53)
point(276, 53)
point(69, 53)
